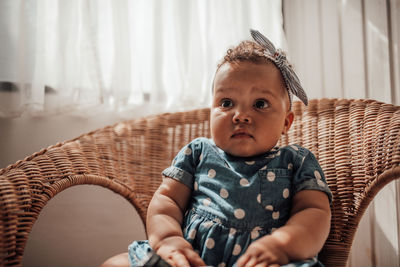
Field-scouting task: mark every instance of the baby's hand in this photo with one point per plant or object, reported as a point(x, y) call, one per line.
point(178, 252)
point(263, 252)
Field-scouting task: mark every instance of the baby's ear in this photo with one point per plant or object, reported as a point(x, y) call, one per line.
point(288, 121)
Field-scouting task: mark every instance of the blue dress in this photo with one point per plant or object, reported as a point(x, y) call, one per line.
point(237, 200)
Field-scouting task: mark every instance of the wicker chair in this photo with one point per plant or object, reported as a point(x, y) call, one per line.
point(356, 141)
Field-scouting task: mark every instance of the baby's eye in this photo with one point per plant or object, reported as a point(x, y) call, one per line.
point(226, 103)
point(261, 104)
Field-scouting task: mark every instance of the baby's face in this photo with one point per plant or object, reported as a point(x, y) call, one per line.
point(250, 108)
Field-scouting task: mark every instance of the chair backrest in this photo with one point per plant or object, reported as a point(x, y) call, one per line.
point(356, 141)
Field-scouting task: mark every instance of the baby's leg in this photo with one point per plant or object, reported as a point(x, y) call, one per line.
point(120, 260)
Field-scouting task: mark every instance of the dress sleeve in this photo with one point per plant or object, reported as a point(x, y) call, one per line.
point(309, 175)
point(184, 165)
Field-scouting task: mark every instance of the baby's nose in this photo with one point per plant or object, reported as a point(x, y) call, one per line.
point(241, 117)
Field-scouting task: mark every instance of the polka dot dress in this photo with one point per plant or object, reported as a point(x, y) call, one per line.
point(235, 201)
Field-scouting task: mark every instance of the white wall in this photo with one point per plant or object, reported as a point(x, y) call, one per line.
point(82, 226)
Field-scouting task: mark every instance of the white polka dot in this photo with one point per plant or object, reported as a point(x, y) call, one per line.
point(188, 151)
point(244, 182)
point(206, 202)
point(236, 250)
point(275, 215)
point(255, 232)
point(208, 224)
point(294, 147)
point(259, 198)
point(232, 232)
point(222, 264)
point(239, 213)
point(269, 207)
point(210, 243)
point(271, 176)
point(250, 162)
point(192, 234)
point(212, 173)
point(320, 183)
point(264, 168)
point(285, 193)
point(224, 193)
point(290, 166)
point(196, 186)
point(317, 175)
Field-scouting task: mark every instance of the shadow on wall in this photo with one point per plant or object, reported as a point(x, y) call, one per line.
point(366, 255)
point(82, 226)
point(386, 250)
point(376, 239)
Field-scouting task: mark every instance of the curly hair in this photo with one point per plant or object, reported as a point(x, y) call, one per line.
point(245, 51)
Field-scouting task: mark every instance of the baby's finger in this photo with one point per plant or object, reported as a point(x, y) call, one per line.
point(253, 262)
point(170, 262)
point(194, 258)
point(178, 259)
point(242, 261)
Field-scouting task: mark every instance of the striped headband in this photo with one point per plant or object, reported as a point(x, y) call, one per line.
point(278, 57)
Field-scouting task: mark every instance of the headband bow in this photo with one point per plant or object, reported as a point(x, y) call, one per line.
point(278, 57)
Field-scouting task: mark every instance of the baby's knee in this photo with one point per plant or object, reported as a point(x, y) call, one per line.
point(120, 260)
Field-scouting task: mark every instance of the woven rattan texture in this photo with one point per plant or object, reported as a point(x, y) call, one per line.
point(356, 141)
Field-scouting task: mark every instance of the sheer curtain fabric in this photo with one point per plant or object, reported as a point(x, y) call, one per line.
point(82, 55)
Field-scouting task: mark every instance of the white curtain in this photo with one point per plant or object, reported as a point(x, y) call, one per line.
point(84, 55)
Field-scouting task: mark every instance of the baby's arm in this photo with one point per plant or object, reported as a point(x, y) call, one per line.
point(163, 224)
point(300, 238)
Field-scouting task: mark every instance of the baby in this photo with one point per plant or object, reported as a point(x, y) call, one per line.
point(237, 199)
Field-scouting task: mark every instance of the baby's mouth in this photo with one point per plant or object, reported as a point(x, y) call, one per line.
point(241, 134)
